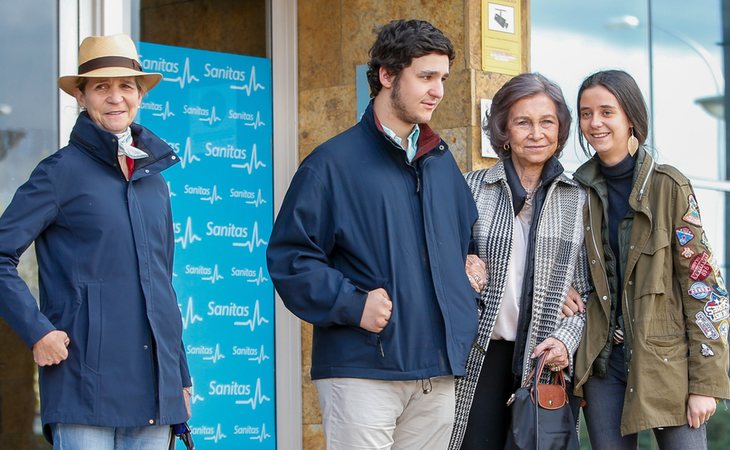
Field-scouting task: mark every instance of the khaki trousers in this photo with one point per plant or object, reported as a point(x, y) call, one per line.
point(375, 414)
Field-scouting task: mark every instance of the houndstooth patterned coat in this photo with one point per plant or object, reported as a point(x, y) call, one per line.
point(560, 261)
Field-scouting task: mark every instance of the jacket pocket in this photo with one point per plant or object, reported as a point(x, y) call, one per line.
point(371, 339)
point(668, 348)
point(650, 273)
point(93, 337)
point(659, 369)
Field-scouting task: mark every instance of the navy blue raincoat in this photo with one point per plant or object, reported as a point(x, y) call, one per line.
point(105, 251)
point(358, 216)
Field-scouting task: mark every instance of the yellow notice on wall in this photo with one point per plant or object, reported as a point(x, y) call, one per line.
point(501, 36)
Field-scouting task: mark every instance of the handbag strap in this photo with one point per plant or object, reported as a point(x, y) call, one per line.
point(557, 378)
point(536, 372)
point(539, 366)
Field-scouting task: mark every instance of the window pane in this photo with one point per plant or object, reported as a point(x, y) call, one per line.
point(687, 67)
point(571, 39)
point(28, 99)
point(28, 133)
point(28, 92)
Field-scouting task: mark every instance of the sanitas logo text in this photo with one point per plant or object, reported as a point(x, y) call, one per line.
point(235, 272)
point(227, 73)
point(248, 429)
point(244, 351)
point(195, 110)
point(151, 106)
point(229, 310)
point(229, 151)
point(199, 350)
point(231, 388)
point(197, 190)
point(239, 115)
point(202, 429)
point(230, 230)
point(247, 195)
point(160, 65)
point(197, 270)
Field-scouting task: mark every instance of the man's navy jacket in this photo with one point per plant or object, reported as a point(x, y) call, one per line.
point(358, 217)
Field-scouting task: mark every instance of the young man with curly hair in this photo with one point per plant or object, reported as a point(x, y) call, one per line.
point(370, 247)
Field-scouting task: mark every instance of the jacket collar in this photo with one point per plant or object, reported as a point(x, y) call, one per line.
point(639, 192)
point(589, 175)
point(101, 145)
point(550, 171)
point(428, 139)
point(553, 171)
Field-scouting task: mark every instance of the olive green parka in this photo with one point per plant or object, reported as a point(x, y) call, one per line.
point(675, 339)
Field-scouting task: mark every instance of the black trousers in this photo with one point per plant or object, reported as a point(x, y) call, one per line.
point(489, 416)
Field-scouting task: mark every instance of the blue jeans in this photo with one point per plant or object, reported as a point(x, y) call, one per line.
point(604, 405)
point(86, 437)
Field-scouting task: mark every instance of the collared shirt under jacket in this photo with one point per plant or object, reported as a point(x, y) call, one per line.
point(358, 217)
point(105, 249)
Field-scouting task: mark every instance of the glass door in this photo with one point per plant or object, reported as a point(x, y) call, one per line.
point(28, 133)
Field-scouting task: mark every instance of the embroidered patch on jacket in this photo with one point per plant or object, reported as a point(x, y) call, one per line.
point(718, 308)
point(723, 329)
point(699, 290)
point(684, 235)
point(706, 326)
point(700, 267)
point(693, 212)
point(706, 350)
point(687, 253)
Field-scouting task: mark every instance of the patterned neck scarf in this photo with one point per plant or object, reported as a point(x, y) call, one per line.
point(126, 148)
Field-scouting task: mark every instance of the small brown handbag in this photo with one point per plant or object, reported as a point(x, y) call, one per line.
point(550, 426)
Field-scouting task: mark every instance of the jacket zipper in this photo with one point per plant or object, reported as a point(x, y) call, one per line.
point(646, 180)
point(380, 346)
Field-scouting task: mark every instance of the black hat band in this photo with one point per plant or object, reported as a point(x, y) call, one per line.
point(109, 61)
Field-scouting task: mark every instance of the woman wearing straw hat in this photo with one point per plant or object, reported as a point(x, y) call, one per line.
point(108, 334)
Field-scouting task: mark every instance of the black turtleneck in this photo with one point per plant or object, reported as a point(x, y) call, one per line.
point(618, 183)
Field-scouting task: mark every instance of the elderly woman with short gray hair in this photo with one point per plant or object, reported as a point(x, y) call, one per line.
point(530, 235)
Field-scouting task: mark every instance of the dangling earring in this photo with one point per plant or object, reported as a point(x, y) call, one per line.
point(633, 143)
point(506, 147)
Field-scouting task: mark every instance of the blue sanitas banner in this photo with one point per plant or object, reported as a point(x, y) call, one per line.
point(214, 110)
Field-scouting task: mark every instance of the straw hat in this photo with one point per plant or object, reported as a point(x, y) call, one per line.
point(108, 56)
